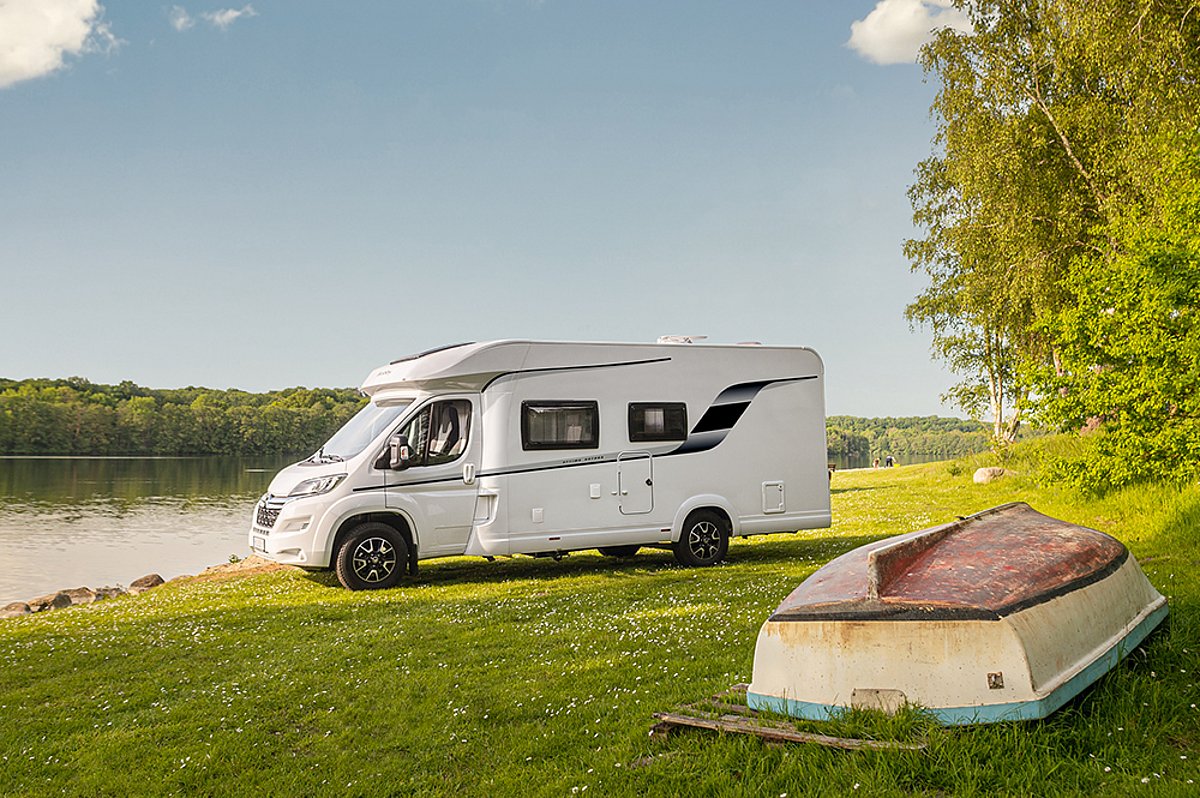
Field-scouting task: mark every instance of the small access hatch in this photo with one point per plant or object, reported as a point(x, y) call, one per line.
point(773, 497)
point(635, 482)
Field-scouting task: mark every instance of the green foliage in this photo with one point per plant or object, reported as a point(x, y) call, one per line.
point(1130, 344)
point(1046, 205)
point(74, 416)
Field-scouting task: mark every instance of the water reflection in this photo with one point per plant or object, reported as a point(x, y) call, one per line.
point(66, 522)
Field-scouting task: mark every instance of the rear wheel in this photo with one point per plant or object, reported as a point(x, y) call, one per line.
point(704, 540)
point(619, 551)
point(373, 557)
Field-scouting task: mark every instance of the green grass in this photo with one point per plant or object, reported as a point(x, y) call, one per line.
point(530, 677)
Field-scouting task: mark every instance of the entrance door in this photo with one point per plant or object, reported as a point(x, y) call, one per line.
point(443, 437)
point(635, 481)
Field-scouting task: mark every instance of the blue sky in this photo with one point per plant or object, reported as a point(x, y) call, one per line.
point(290, 193)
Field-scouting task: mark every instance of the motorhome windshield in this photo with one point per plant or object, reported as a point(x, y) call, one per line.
point(359, 431)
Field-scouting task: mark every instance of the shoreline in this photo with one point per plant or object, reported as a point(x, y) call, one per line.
point(81, 596)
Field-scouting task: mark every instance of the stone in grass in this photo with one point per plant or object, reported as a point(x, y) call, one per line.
point(145, 583)
point(82, 595)
point(15, 610)
point(50, 601)
point(990, 474)
point(109, 592)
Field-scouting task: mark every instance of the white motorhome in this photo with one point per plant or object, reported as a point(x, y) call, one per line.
point(542, 448)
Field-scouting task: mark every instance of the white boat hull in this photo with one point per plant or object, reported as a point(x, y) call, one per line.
point(1019, 666)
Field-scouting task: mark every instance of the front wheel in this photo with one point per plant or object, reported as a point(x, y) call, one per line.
point(373, 557)
point(704, 540)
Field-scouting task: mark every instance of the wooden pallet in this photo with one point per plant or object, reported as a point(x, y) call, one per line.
point(718, 713)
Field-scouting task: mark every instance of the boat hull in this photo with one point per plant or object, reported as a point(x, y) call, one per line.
point(1016, 665)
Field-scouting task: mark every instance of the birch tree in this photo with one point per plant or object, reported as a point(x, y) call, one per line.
point(1049, 116)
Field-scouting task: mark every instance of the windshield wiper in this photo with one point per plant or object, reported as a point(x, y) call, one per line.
point(321, 457)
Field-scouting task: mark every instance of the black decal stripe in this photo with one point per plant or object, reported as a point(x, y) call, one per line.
point(724, 413)
point(548, 369)
point(700, 442)
point(720, 417)
point(503, 472)
point(409, 484)
point(745, 391)
point(549, 467)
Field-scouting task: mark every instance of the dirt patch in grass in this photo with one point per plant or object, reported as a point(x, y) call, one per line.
point(250, 566)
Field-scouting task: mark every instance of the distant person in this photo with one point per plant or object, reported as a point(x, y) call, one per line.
point(889, 461)
point(877, 462)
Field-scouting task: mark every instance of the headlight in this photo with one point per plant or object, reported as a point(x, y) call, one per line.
point(315, 487)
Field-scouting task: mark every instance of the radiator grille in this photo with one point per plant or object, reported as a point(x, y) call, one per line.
point(268, 511)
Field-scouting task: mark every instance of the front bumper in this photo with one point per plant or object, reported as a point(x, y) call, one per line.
point(283, 531)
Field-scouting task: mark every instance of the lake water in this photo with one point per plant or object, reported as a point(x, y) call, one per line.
point(67, 522)
point(95, 521)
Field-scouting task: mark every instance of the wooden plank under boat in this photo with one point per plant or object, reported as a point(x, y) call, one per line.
point(1004, 615)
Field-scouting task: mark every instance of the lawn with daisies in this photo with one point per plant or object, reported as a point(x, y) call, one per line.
point(532, 677)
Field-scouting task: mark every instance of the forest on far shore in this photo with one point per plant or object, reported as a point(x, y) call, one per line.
point(74, 416)
point(926, 437)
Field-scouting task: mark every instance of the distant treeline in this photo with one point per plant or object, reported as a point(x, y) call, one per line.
point(866, 438)
point(78, 417)
point(75, 416)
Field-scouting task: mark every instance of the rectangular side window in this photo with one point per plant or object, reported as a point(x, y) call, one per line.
point(657, 421)
point(560, 425)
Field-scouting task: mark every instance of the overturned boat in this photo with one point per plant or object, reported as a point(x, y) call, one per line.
point(1004, 615)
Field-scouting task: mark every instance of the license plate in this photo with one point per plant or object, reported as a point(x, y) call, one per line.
point(258, 544)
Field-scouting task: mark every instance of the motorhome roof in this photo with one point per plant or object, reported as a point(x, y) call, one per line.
point(471, 366)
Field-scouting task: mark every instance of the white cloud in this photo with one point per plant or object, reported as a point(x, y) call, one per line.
point(895, 29)
point(180, 19)
point(36, 35)
point(227, 16)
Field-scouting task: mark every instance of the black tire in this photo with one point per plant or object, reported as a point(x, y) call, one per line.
point(703, 541)
point(619, 551)
point(373, 557)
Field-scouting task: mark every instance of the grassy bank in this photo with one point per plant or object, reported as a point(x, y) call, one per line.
point(538, 678)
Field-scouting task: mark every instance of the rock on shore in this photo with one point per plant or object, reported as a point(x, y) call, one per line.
point(86, 595)
point(15, 610)
point(145, 583)
point(990, 474)
point(76, 595)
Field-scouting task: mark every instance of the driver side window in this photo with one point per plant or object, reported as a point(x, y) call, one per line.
point(438, 434)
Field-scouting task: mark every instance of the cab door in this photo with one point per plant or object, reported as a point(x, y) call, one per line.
point(438, 488)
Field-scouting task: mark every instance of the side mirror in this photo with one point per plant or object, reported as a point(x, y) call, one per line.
point(400, 451)
point(397, 456)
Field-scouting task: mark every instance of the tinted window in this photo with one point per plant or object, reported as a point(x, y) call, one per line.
point(560, 425)
point(657, 421)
